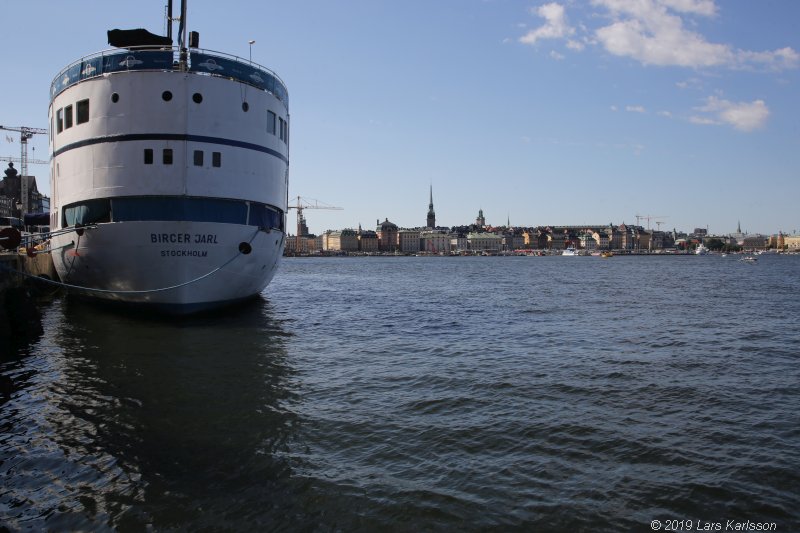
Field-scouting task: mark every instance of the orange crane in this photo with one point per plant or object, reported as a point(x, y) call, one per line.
point(306, 203)
point(25, 133)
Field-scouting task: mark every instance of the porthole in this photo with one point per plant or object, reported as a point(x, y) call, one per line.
point(245, 248)
point(245, 106)
point(197, 97)
point(166, 96)
point(115, 98)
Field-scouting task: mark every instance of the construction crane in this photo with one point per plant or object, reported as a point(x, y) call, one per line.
point(649, 218)
point(19, 160)
point(306, 203)
point(25, 133)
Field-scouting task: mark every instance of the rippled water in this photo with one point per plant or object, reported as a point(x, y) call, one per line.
point(546, 393)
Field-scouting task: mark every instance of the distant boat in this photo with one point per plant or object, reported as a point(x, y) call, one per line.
point(570, 251)
point(749, 259)
point(701, 249)
point(606, 254)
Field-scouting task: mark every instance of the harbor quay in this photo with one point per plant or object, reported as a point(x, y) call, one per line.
point(19, 316)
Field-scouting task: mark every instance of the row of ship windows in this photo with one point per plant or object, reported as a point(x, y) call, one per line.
point(167, 157)
point(64, 117)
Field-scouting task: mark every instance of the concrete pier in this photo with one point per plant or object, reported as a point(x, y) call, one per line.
point(20, 320)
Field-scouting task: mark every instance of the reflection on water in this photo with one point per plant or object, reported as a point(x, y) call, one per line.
point(124, 421)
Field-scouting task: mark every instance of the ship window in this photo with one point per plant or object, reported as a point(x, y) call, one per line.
point(198, 158)
point(166, 96)
point(284, 130)
point(271, 122)
point(68, 117)
point(264, 216)
point(115, 98)
point(216, 159)
point(245, 107)
point(82, 112)
point(148, 156)
point(87, 212)
point(60, 120)
point(180, 208)
point(197, 97)
point(167, 156)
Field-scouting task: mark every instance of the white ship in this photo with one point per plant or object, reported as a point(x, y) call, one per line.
point(169, 173)
point(570, 251)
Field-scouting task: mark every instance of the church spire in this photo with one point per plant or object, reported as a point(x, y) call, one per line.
point(431, 221)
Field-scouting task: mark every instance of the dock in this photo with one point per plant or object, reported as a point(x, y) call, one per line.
point(20, 319)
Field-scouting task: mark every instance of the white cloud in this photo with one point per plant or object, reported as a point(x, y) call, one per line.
point(555, 27)
point(555, 55)
point(646, 30)
point(575, 45)
point(704, 121)
point(654, 32)
point(744, 116)
point(782, 59)
point(635, 109)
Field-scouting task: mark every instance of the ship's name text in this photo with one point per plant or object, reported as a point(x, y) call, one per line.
point(181, 238)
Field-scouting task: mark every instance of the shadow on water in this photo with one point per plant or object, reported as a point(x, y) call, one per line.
point(119, 421)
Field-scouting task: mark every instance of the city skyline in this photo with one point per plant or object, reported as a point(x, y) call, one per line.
point(648, 222)
point(542, 112)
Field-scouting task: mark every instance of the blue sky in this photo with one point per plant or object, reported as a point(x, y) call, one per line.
point(540, 113)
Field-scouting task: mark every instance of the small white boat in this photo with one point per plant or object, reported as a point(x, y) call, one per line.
point(570, 251)
point(701, 249)
point(749, 259)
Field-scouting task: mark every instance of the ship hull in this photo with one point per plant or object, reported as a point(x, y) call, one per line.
point(177, 267)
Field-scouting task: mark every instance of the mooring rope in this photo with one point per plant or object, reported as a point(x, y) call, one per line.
point(144, 291)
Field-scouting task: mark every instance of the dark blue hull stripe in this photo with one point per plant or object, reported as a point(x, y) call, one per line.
point(171, 137)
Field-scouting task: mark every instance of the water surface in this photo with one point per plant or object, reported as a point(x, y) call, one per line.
point(544, 393)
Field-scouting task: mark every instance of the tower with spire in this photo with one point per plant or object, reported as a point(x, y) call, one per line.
point(431, 222)
point(481, 220)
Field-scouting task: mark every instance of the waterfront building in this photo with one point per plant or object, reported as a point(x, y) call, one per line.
point(387, 236)
point(754, 242)
point(408, 241)
point(512, 240)
point(586, 240)
point(536, 238)
point(345, 240)
point(658, 240)
point(10, 188)
point(480, 241)
point(600, 237)
point(367, 240)
point(6, 206)
point(555, 240)
point(435, 242)
point(431, 220)
point(643, 239)
point(792, 243)
point(458, 244)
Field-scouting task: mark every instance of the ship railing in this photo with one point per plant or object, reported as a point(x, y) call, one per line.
point(200, 61)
